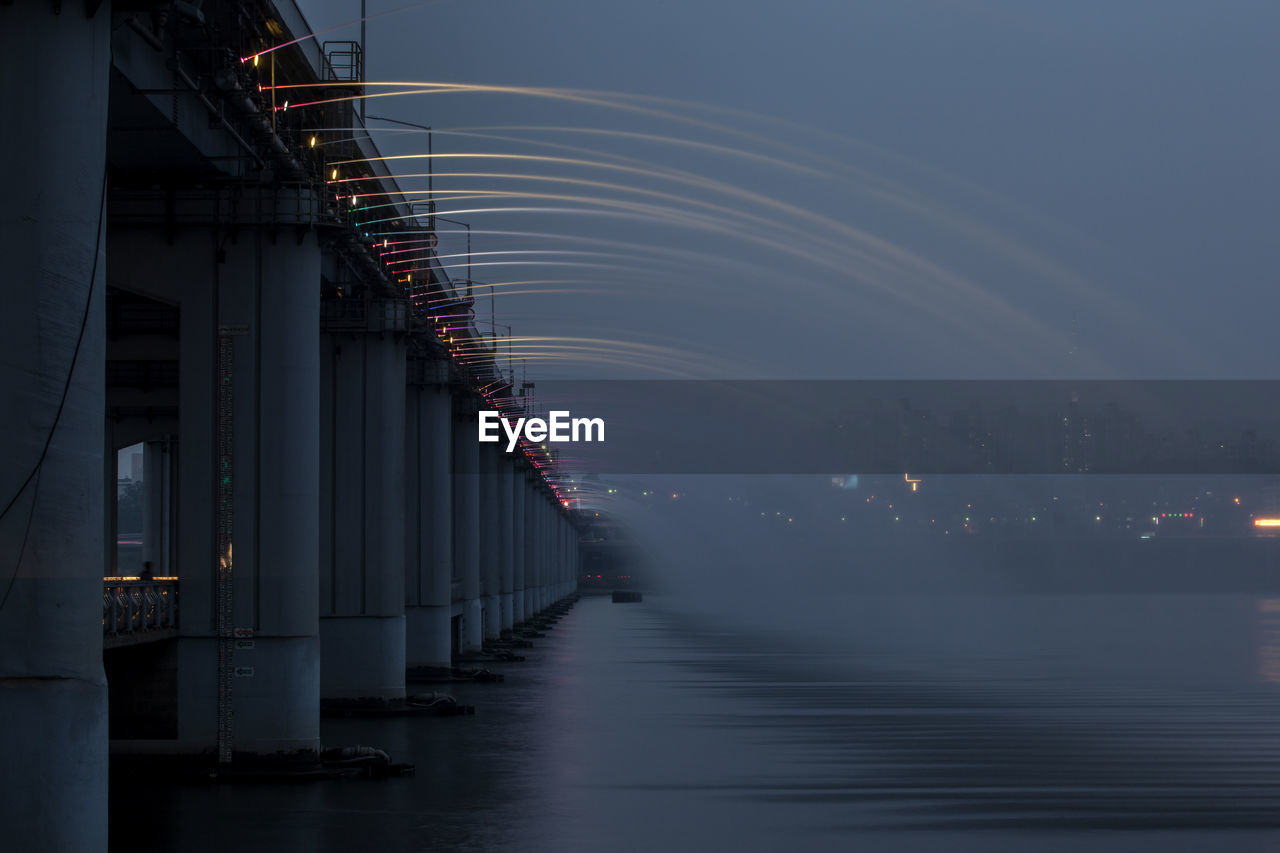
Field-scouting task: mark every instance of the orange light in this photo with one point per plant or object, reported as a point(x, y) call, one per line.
point(1266, 522)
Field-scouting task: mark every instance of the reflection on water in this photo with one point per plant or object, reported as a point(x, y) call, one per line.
point(642, 727)
point(1269, 639)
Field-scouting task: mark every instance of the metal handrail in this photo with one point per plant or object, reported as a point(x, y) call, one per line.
point(135, 606)
point(363, 315)
point(344, 61)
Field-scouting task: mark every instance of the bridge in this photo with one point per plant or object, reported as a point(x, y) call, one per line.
point(190, 274)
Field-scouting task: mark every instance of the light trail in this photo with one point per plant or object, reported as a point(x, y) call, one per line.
point(880, 247)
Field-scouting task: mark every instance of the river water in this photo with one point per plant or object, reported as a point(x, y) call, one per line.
point(1131, 723)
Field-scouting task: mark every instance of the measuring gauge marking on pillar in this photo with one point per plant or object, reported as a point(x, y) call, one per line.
point(244, 633)
point(244, 672)
point(243, 645)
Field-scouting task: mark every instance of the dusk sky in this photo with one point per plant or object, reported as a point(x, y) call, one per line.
point(933, 188)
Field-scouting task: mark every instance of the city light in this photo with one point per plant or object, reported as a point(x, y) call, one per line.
point(1266, 522)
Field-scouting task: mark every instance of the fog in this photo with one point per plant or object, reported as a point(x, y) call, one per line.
point(819, 566)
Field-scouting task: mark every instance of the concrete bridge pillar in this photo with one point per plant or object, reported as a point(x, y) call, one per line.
point(576, 562)
point(571, 569)
point(553, 549)
point(52, 689)
point(559, 585)
point(362, 547)
point(490, 539)
point(570, 546)
point(557, 554)
point(529, 543)
point(517, 540)
point(549, 588)
point(506, 538)
point(275, 291)
point(429, 516)
point(466, 522)
point(562, 564)
point(538, 518)
point(548, 550)
point(248, 297)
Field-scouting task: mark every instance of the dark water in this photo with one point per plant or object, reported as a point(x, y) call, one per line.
point(638, 727)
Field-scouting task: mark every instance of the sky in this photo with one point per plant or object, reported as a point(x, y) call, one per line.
point(916, 189)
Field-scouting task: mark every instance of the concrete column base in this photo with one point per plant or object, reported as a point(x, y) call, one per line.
point(507, 605)
point(362, 657)
point(492, 617)
point(277, 709)
point(54, 772)
point(472, 625)
point(427, 642)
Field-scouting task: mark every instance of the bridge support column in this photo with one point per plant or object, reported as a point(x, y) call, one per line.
point(157, 480)
point(576, 561)
point(466, 522)
point(260, 285)
point(557, 555)
point(570, 544)
point(490, 540)
point(52, 690)
point(530, 543)
point(562, 555)
point(543, 550)
point(535, 562)
point(548, 552)
point(571, 564)
point(517, 541)
point(549, 588)
point(272, 287)
point(362, 625)
point(562, 560)
point(429, 516)
point(506, 538)
point(557, 591)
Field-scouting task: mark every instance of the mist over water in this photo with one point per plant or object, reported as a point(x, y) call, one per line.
point(927, 682)
point(1060, 608)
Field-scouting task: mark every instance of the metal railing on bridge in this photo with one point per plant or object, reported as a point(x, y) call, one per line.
point(138, 611)
point(363, 315)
